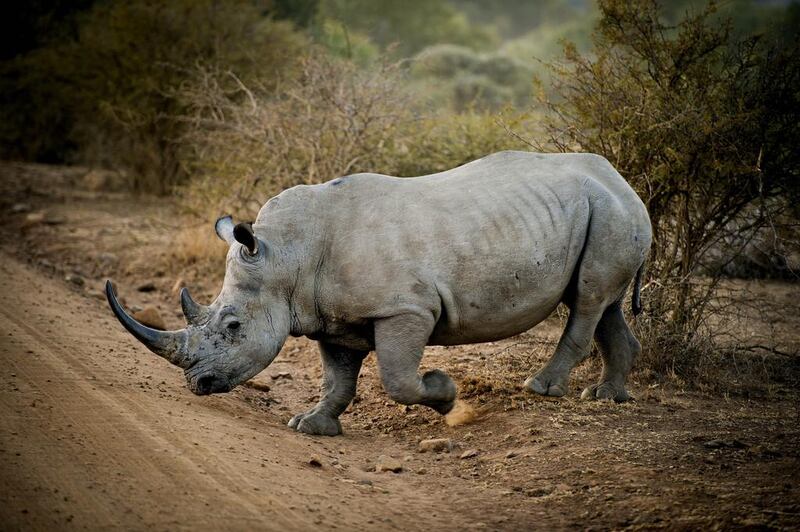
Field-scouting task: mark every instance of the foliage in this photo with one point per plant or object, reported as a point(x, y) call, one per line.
point(441, 142)
point(110, 90)
point(245, 144)
point(410, 25)
point(456, 76)
point(342, 42)
point(704, 126)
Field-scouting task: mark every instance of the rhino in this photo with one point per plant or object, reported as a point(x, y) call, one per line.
point(370, 262)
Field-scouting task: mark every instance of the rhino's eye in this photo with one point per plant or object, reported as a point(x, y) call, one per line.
point(234, 325)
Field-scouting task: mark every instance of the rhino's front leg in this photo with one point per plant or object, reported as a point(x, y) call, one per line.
point(340, 367)
point(399, 343)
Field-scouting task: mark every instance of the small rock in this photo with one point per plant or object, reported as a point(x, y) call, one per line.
point(421, 471)
point(387, 463)
point(511, 454)
point(42, 217)
point(151, 317)
point(763, 451)
point(315, 461)
point(19, 208)
point(720, 444)
point(149, 286)
point(34, 218)
point(365, 482)
point(539, 492)
point(435, 445)
point(469, 453)
point(74, 278)
point(260, 386)
point(282, 375)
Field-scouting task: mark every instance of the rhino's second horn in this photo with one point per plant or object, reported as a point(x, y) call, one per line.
point(195, 313)
point(170, 345)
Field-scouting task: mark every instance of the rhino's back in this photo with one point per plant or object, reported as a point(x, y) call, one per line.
point(489, 247)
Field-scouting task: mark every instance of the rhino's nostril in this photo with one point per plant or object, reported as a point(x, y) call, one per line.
point(205, 384)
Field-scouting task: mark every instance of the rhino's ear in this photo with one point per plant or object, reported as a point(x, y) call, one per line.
point(224, 228)
point(243, 233)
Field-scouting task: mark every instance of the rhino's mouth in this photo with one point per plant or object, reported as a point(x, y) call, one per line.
point(208, 383)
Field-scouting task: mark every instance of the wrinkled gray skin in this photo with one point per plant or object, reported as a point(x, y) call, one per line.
point(370, 262)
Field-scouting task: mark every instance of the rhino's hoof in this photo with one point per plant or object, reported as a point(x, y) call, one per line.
point(605, 391)
point(316, 424)
point(539, 384)
point(443, 407)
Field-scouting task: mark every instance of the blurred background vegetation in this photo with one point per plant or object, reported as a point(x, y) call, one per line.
point(225, 103)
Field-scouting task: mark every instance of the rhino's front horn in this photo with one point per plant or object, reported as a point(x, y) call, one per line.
point(195, 313)
point(167, 344)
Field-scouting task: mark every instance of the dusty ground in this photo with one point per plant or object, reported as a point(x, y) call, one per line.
point(95, 432)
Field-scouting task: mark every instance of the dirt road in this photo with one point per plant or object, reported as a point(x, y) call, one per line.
point(98, 436)
point(96, 432)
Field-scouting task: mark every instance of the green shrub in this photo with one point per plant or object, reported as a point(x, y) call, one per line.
point(445, 61)
point(443, 141)
point(455, 76)
point(340, 41)
point(406, 27)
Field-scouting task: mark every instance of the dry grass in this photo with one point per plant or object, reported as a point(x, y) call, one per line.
point(245, 144)
point(198, 245)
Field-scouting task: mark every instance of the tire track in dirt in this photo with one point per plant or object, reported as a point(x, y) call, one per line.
point(114, 447)
point(128, 416)
point(82, 445)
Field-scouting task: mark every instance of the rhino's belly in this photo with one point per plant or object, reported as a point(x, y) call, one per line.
point(489, 330)
point(497, 308)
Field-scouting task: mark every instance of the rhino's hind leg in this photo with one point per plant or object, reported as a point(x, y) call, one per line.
point(340, 367)
point(399, 343)
point(619, 348)
point(553, 378)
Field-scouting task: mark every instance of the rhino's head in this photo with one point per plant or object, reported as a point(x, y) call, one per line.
point(239, 334)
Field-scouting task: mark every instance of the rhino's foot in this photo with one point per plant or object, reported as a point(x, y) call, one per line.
point(545, 384)
point(316, 423)
point(606, 391)
point(439, 385)
point(443, 407)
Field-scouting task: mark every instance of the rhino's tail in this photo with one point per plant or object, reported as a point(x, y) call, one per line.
point(636, 298)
